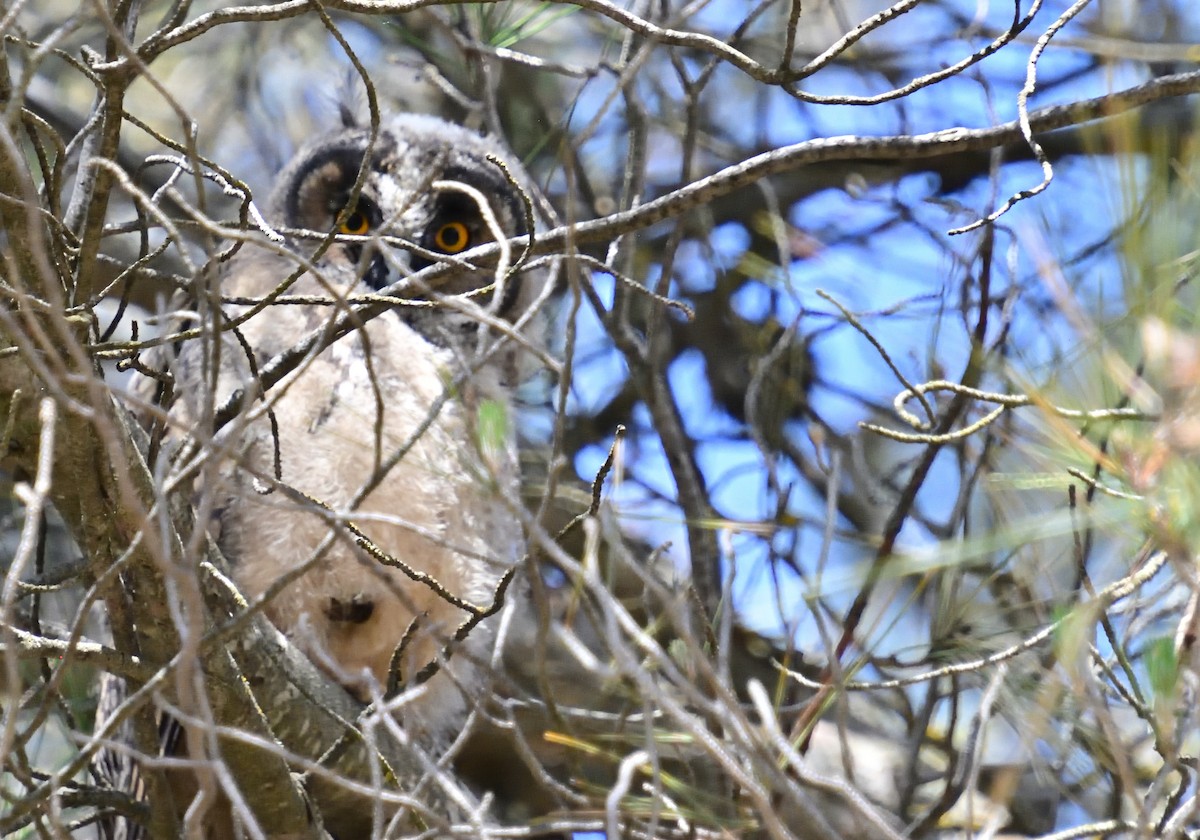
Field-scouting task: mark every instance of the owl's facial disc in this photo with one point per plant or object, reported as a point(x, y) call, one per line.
point(430, 192)
point(449, 218)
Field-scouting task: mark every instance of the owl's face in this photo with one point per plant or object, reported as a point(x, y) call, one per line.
point(432, 190)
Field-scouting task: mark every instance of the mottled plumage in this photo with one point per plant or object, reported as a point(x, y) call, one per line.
point(402, 427)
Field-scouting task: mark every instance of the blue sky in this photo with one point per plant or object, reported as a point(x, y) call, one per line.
point(872, 270)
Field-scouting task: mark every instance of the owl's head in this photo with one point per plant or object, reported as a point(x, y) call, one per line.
point(430, 192)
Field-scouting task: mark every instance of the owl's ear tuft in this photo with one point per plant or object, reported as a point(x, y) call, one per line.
point(350, 97)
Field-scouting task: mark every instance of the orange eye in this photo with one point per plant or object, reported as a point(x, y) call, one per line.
point(356, 224)
point(452, 237)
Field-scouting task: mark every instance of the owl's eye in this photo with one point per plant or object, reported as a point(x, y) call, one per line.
point(452, 237)
point(356, 224)
point(362, 216)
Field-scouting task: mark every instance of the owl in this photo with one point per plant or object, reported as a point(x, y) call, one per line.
point(403, 426)
point(367, 497)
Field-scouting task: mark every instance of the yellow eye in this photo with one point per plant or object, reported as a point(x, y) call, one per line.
point(452, 237)
point(356, 224)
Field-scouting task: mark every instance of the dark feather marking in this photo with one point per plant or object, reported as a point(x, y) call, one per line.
point(357, 610)
point(324, 414)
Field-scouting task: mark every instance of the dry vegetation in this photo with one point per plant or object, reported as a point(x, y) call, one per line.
point(973, 614)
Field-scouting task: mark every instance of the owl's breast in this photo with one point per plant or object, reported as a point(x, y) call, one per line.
point(374, 431)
